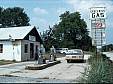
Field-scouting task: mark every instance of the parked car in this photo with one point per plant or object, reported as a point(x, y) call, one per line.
point(76, 55)
point(62, 50)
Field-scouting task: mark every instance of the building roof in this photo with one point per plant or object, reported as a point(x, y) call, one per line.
point(15, 32)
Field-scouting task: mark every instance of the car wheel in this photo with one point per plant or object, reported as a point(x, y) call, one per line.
point(63, 52)
point(68, 61)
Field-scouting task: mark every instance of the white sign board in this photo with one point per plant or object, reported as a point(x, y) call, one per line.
point(32, 38)
point(97, 13)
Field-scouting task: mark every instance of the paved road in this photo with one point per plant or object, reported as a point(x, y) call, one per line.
point(59, 73)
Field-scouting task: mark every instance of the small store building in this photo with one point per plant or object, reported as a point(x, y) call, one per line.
point(19, 43)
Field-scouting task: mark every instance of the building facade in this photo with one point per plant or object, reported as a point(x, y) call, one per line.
point(19, 43)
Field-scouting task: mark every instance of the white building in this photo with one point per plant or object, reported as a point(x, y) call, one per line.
point(19, 43)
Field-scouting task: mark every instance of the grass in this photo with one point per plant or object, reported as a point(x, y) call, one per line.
point(4, 62)
point(99, 71)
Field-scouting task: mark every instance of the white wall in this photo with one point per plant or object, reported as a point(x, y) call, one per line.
point(10, 53)
point(17, 50)
point(17, 53)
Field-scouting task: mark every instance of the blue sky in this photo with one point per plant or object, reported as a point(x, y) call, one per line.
point(43, 13)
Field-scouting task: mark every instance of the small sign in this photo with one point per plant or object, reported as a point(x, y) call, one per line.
point(32, 38)
point(100, 25)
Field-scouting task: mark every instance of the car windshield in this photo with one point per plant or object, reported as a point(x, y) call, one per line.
point(74, 53)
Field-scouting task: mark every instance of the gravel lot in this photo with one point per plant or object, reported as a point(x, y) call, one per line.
point(59, 73)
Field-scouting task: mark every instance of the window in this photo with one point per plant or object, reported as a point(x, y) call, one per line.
point(26, 48)
point(1, 48)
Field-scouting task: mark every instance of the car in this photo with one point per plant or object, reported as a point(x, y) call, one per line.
point(62, 50)
point(76, 55)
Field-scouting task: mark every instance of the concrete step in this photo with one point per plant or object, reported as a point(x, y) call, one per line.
point(41, 66)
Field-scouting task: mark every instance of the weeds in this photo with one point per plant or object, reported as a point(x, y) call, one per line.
point(100, 70)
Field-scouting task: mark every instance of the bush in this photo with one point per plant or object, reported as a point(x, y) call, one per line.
point(13, 60)
point(100, 70)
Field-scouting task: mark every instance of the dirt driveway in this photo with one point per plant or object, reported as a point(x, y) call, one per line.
point(63, 71)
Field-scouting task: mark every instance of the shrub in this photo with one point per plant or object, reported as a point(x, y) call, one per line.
point(13, 60)
point(100, 70)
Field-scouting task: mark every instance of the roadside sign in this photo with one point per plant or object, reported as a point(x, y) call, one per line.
point(97, 13)
point(97, 17)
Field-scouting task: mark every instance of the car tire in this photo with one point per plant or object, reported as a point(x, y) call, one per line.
point(63, 52)
point(68, 61)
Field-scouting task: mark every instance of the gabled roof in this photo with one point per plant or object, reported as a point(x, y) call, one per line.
point(15, 32)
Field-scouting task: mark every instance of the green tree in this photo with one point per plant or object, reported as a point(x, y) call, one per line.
point(71, 32)
point(13, 17)
point(49, 39)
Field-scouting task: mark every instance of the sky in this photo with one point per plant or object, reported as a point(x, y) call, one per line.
point(43, 13)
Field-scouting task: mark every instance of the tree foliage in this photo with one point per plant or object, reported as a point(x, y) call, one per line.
point(107, 48)
point(70, 32)
point(13, 17)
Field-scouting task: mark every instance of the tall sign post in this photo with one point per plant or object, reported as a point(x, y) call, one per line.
point(98, 26)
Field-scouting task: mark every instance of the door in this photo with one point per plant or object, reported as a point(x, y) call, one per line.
point(31, 50)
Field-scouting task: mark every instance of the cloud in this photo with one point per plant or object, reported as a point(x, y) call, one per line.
point(39, 22)
point(39, 11)
point(39, 18)
point(83, 7)
point(85, 4)
point(42, 23)
point(61, 11)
